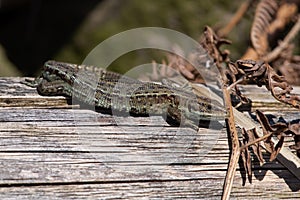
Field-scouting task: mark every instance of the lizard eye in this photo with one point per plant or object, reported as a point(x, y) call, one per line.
point(46, 75)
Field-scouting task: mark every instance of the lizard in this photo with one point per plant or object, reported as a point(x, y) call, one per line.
point(113, 91)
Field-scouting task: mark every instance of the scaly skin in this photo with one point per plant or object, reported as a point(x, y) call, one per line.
point(113, 91)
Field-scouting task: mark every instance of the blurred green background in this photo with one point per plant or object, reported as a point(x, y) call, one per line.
point(34, 31)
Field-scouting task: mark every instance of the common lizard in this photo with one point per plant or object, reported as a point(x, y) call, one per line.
point(113, 91)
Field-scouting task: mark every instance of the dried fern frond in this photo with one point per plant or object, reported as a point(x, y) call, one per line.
point(265, 11)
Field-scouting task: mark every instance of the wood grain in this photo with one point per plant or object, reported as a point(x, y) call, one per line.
point(62, 152)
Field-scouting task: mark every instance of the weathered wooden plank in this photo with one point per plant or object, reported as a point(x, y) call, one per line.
point(263, 100)
point(189, 189)
point(49, 152)
point(15, 94)
point(74, 153)
point(60, 130)
point(197, 188)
